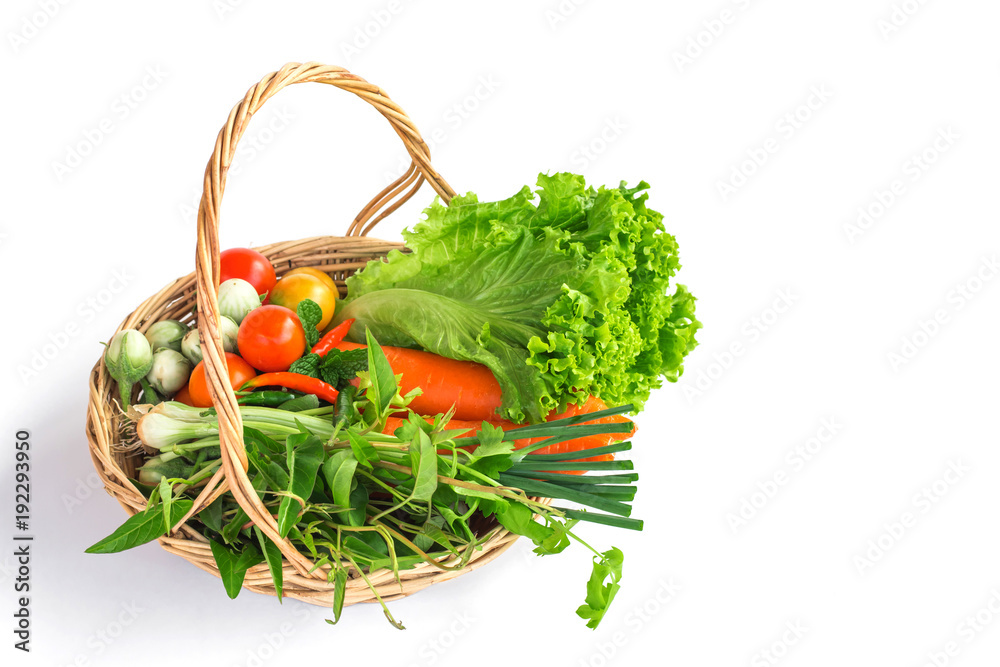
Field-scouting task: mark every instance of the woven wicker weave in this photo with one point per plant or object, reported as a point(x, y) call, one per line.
point(340, 257)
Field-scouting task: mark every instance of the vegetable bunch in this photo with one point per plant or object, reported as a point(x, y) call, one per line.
point(562, 293)
point(357, 500)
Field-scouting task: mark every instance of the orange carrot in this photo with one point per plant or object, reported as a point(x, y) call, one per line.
point(469, 386)
point(475, 394)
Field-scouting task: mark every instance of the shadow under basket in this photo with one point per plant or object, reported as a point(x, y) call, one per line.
point(197, 292)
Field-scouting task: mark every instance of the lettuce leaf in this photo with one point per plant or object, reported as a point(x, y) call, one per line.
point(562, 293)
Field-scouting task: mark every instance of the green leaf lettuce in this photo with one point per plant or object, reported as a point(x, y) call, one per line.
point(562, 293)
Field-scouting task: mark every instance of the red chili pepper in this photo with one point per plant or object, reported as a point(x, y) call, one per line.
point(295, 381)
point(332, 337)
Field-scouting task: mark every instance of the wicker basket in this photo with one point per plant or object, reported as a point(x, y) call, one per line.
point(340, 257)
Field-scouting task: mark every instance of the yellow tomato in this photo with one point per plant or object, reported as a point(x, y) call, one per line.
point(292, 289)
point(316, 273)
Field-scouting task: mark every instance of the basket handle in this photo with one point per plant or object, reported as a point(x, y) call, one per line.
point(234, 458)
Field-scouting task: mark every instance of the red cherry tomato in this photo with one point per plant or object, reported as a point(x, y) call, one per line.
point(271, 338)
point(248, 265)
point(239, 373)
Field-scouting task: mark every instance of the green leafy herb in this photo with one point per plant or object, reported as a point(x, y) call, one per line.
point(233, 565)
point(338, 576)
point(602, 587)
point(341, 366)
point(306, 365)
point(423, 463)
point(383, 382)
point(310, 314)
point(304, 455)
point(138, 529)
point(300, 403)
point(363, 450)
point(167, 498)
point(272, 554)
point(211, 516)
point(339, 474)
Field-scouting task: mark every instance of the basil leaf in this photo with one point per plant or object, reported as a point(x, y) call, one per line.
point(141, 528)
point(233, 565)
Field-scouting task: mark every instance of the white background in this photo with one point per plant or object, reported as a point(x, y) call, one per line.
point(537, 85)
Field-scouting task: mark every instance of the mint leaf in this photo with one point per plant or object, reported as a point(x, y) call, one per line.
point(310, 314)
point(306, 365)
point(339, 367)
